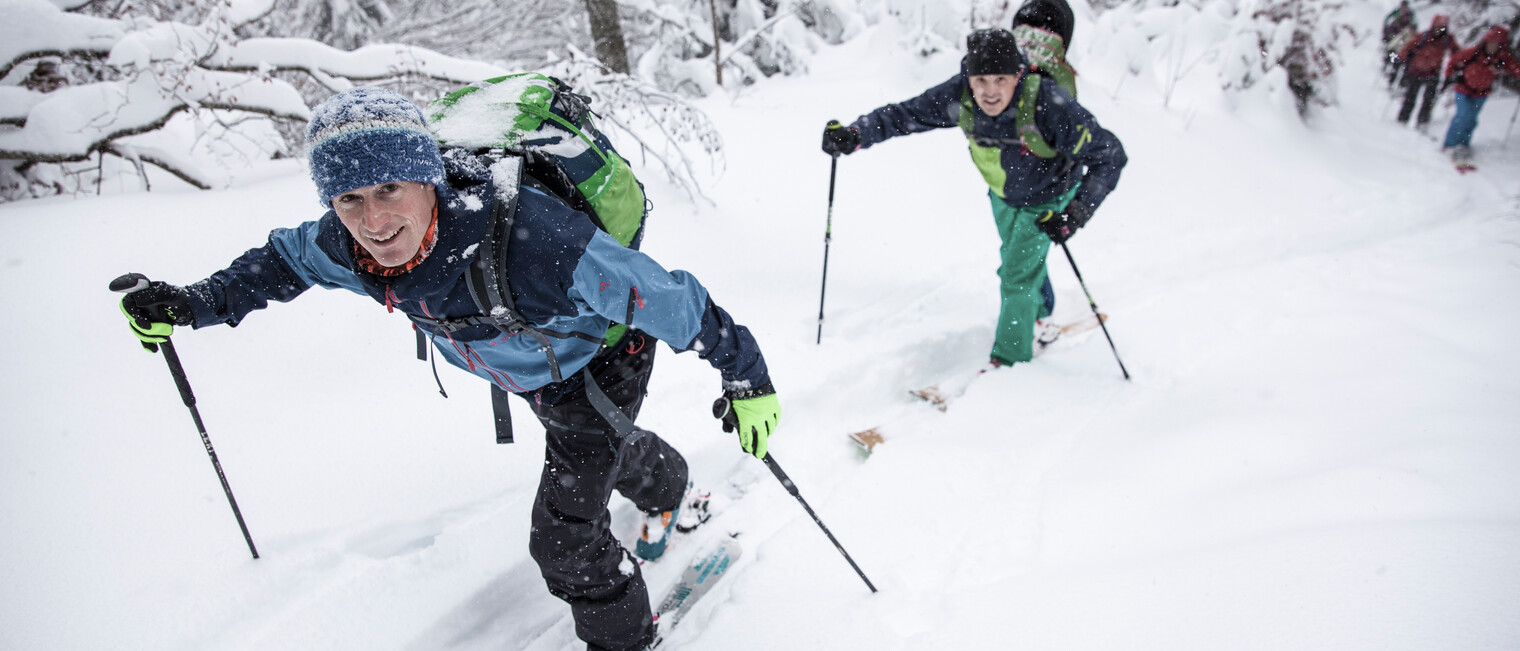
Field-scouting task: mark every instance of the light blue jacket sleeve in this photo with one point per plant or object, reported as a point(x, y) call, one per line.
point(629, 287)
point(298, 248)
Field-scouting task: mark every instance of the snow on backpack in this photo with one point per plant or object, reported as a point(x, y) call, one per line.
point(532, 129)
point(533, 112)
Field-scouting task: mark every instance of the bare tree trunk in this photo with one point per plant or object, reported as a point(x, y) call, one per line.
point(608, 34)
point(717, 41)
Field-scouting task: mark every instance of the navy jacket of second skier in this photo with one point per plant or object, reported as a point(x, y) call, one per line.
point(1091, 156)
point(569, 276)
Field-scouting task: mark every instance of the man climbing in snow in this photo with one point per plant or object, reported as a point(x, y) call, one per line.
point(1474, 71)
point(402, 224)
point(1422, 59)
point(1048, 163)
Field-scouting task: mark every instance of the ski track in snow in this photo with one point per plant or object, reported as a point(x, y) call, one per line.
point(1316, 450)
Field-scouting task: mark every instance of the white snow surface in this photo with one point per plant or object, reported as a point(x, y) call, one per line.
point(1318, 449)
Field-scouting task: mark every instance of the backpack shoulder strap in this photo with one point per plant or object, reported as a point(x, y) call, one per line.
point(1029, 138)
point(487, 278)
point(1029, 132)
point(967, 116)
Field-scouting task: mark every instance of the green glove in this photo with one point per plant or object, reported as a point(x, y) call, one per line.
point(154, 333)
point(153, 308)
point(755, 414)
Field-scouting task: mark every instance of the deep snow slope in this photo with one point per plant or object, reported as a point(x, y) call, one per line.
point(1317, 450)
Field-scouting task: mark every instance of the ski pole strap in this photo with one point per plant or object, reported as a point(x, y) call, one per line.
point(503, 413)
point(627, 432)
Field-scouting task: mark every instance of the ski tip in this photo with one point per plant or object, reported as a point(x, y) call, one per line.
point(932, 395)
point(868, 439)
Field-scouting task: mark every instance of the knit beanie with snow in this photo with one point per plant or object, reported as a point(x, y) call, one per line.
point(368, 136)
point(993, 52)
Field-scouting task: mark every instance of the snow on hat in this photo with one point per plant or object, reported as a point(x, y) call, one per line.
point(992, 52)
point(368, 136)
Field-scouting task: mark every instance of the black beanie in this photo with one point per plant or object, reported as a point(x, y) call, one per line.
point(992, 52)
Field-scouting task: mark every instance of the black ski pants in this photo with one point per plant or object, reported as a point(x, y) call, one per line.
point(1417, 86)
point(584, 461)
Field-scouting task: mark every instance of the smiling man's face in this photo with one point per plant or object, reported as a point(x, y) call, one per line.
point(389, 220)
point(993, 92)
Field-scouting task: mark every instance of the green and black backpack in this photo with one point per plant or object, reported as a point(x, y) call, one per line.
point(533, 112)
point(532, 129)
point(540, 120)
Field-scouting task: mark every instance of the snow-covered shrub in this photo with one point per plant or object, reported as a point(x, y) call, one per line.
point(664, 126)
point(1303, 38)
point(1291, 46)
point(684, 46)
point(78, 87)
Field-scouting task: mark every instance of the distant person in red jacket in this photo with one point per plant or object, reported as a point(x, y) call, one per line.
point(1422, 59)
point(1474, 70)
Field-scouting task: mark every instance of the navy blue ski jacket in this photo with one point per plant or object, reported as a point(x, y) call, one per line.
point(566, 275)
point(1030, 180)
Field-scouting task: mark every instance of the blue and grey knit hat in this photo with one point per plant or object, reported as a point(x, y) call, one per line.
point(368, 136)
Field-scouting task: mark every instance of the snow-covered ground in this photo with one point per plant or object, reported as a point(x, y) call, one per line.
point(1318, 449)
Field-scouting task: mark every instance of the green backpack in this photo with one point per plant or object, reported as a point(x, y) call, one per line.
point(531, 129)
point(1046, 54)
point(530, 111)
point(542, 118)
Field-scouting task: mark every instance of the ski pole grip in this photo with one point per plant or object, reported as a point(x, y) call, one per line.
point(128, 283)
point(723, 410)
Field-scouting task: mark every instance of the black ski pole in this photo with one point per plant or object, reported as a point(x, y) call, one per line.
point(770, 462)
point(130, 283)
point(1094, 305)
point(828, 236)
point(722, 411)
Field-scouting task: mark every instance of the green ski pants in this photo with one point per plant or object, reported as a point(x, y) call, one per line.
point(1021, 275)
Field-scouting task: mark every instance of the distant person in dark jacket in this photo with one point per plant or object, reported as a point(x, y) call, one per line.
point(1048, 163)
point(1474, 71)
point(1423, 58)
point(1398, 20)
point(1399, 27)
